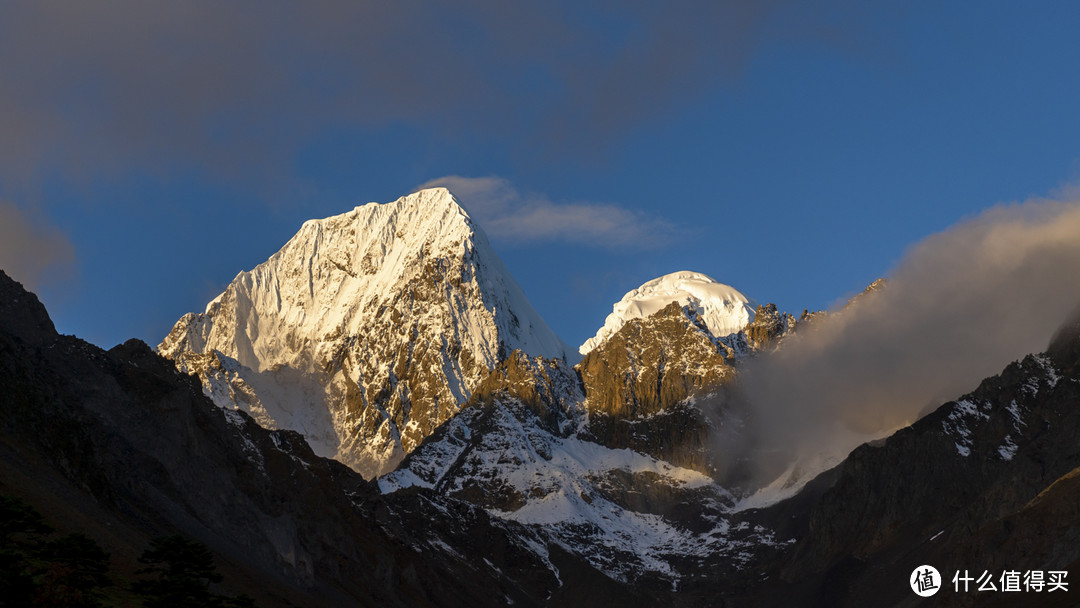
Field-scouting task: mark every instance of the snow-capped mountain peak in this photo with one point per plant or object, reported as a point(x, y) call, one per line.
point(723, 308)
point(366, 330)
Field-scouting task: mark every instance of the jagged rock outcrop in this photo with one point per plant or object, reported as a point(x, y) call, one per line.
point(651, 364)
point(642, 381)
point(366, 331)
point(769, 327)
point(549, 388)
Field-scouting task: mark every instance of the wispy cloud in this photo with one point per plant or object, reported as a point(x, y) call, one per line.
point(512, 216)
point(32, 251)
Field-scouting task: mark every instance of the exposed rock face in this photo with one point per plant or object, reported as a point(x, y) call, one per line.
point(548, 388)
point(642, 382)
point(680, 435)
point(769, 327)
point(366, 331)
point(651, 364)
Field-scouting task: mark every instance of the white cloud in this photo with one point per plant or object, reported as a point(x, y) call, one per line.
point(509, 215)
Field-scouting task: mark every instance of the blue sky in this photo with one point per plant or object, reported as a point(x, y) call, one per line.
point(151, 151)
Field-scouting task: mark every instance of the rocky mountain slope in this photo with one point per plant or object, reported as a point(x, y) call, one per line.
point(644, 382)
point(121, 446)
point(513, 500)
point(640, 382)
point(393, 338)
point(995, 465)
point(651, 364)
point(524, 453)
point(610, 459)
point(622, 425)
point(366, 331)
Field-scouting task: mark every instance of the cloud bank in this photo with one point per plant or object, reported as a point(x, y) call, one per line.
point(507, 215)
point(235, 86)
point(959, 307)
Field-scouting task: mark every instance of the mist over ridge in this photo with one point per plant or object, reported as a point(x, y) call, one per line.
point(959, 306)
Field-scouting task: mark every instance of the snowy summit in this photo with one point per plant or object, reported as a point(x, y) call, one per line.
point(365, 331)
point(723, 308)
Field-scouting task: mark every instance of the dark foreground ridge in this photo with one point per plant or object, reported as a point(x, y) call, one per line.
point(121, 447)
